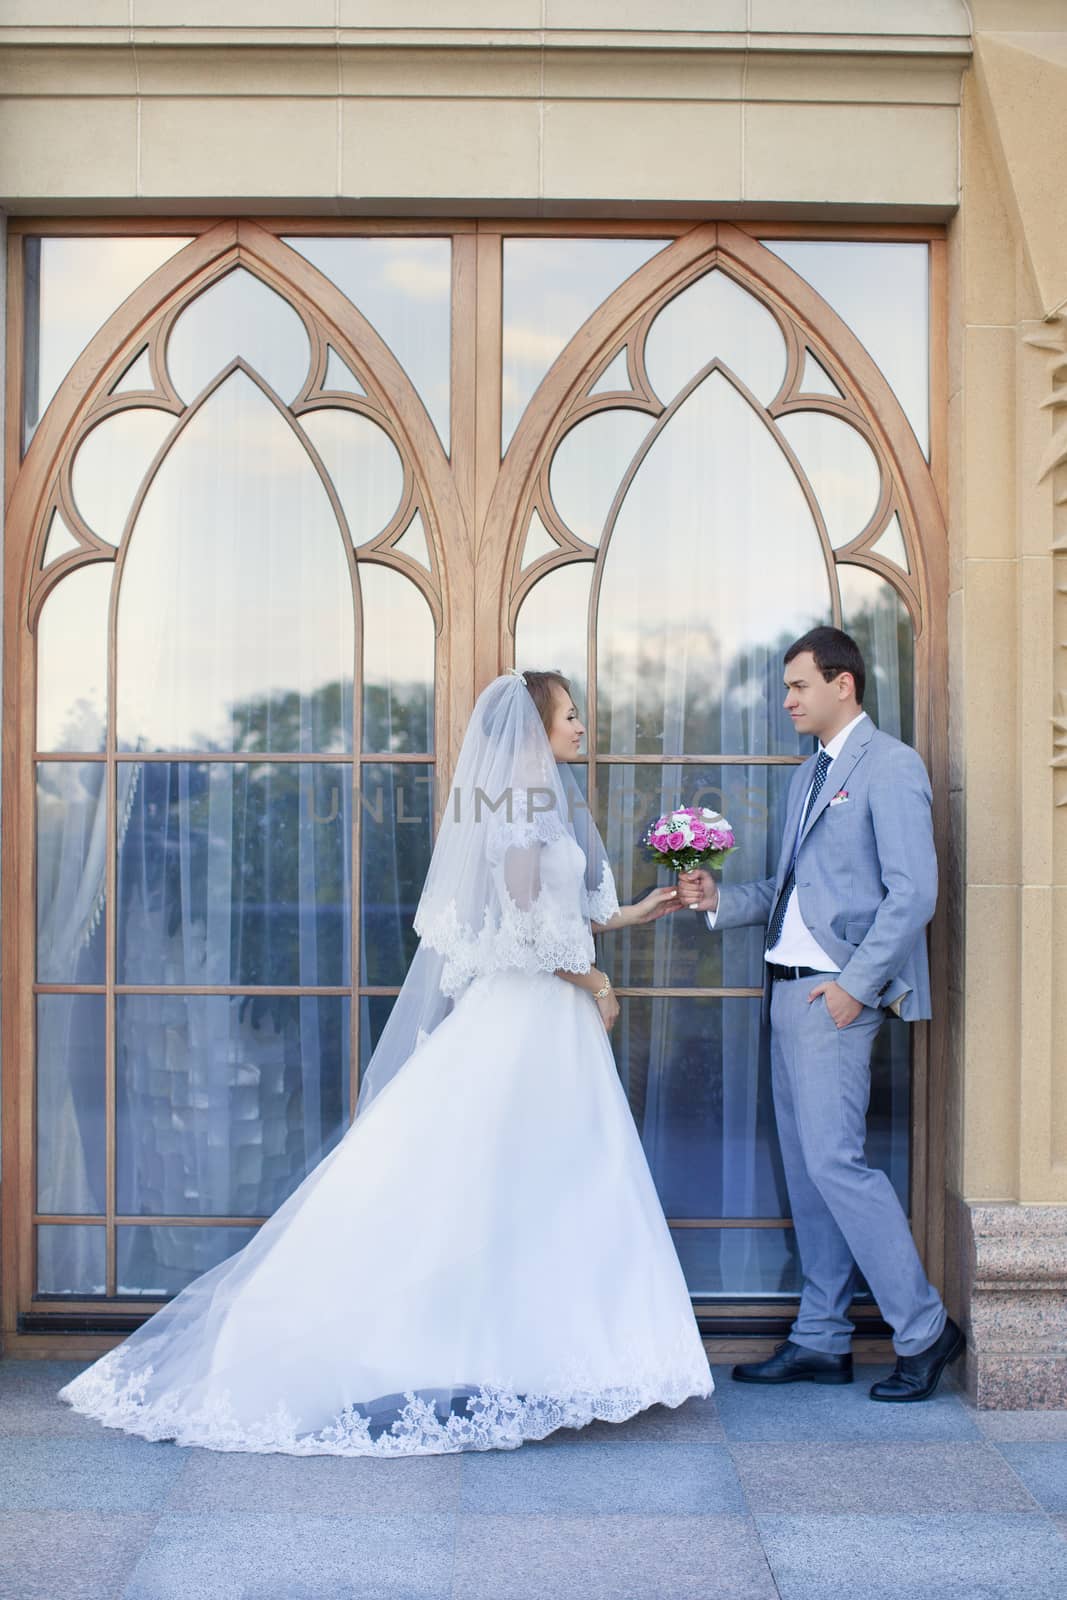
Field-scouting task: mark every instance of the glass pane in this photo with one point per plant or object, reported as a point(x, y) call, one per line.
point(71, 288)
point(724, 1263)
point(615, 378)
point(877, 618)
point(412, 543)
point(889, 1113)
point(225, 1102)
point(539, 542)
point(588, 466)
point(70, 1104)
point(697, 1075)
point(71, 871)
point(404, 289)
point(553, 625)
point(339, 375)
point(72, 661)
point(239, 316)
point(815, 379)
point(374, 1012)
point(551, 287)
point(715, 317)
point(156, 1261)
point(679, 950)
point(882, 291)
point(840, 467)
point(137, 376)
point(71, 1260)
point(398, 663)
point(891, 546)
point(363, 465)
point(233, 873)
point(398, 805)
point(235, 626)
point(714, 568)
point(110, 466)
point(59, 541)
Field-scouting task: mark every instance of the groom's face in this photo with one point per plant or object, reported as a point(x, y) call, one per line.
point(814, 705)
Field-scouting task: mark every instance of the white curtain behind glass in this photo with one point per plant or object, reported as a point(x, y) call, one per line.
point(237, 555)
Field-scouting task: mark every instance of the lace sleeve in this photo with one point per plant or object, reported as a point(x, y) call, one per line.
point(536, 917)
point(524, 826)
point(602, 903)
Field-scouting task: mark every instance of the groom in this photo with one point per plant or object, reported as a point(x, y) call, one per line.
point(845, 914)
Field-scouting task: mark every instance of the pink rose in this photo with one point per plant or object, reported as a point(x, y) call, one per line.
point(676, 841)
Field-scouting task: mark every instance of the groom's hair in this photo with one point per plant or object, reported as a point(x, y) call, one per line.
point(834, 652)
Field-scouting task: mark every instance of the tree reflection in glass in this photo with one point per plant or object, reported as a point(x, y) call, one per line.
point(237, 560)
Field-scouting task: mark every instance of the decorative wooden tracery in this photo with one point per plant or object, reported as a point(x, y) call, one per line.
point(476, 518)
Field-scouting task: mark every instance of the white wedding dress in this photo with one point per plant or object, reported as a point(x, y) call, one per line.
point(487, 1226)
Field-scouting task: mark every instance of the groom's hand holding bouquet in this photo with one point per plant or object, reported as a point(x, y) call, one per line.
point(688, 840)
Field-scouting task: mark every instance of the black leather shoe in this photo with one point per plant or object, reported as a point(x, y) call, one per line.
point(916, 1377)
point(792, 1363)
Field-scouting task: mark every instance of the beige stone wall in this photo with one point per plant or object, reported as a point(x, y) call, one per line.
point(1008, 621)
point(523, 105)
point(1007, 1113)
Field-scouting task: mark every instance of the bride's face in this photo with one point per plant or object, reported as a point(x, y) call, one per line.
point(565, 732)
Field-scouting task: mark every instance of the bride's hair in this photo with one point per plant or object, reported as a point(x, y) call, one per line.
point(541, 686)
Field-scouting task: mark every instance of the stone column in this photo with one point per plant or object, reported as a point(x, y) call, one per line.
point(1007, 1205)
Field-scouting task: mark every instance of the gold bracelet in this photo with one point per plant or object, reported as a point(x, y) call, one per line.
point(603, 993)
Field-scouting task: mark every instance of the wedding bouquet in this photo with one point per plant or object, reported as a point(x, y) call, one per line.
point(690, 836)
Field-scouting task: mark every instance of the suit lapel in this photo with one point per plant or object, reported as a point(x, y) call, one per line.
point(840, 772)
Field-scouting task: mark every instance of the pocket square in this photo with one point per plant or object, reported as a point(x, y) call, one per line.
point(839, 798)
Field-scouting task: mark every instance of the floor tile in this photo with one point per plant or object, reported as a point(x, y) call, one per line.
point(609, 1558)
point(959, 1557)
point(693, 1422)
point(226, 1556)
point(1043, 1469)
point(820, 1412)
point(28, 1404)
point(637, 1478)
point(878, 1478)
point(86, 1475)
point(322, 1485)
point(76, 1555)
point(1022, 1424)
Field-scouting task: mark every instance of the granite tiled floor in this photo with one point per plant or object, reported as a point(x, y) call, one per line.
point(797, 1493)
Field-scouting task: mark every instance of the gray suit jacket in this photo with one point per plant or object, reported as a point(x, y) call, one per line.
point(866, 874)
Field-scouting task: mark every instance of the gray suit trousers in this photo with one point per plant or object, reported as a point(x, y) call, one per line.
point(846, 1214)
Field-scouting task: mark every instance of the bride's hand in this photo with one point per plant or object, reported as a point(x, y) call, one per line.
point(609, 1010)
point(660, 903)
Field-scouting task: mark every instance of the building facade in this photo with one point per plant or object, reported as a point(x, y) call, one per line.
point(355, 351)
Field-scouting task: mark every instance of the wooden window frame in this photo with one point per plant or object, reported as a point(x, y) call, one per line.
point(474, 517)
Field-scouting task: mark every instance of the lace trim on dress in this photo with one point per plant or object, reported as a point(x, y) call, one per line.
point(602, 903)
point(525, 826)
point(494, 1418)
point(538, 940)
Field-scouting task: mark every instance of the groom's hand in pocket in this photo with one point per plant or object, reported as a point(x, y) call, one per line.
point(698, 890)
point(842, 1006)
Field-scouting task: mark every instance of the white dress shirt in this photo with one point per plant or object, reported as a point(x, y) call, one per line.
point(797, 946)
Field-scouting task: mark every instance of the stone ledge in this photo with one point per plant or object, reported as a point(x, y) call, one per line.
point(638, 40)
point(1013, 1299)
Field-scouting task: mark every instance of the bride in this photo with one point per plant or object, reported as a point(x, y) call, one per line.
point(482, 1257)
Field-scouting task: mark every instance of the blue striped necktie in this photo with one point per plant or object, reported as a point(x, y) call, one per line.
point(774, 932)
